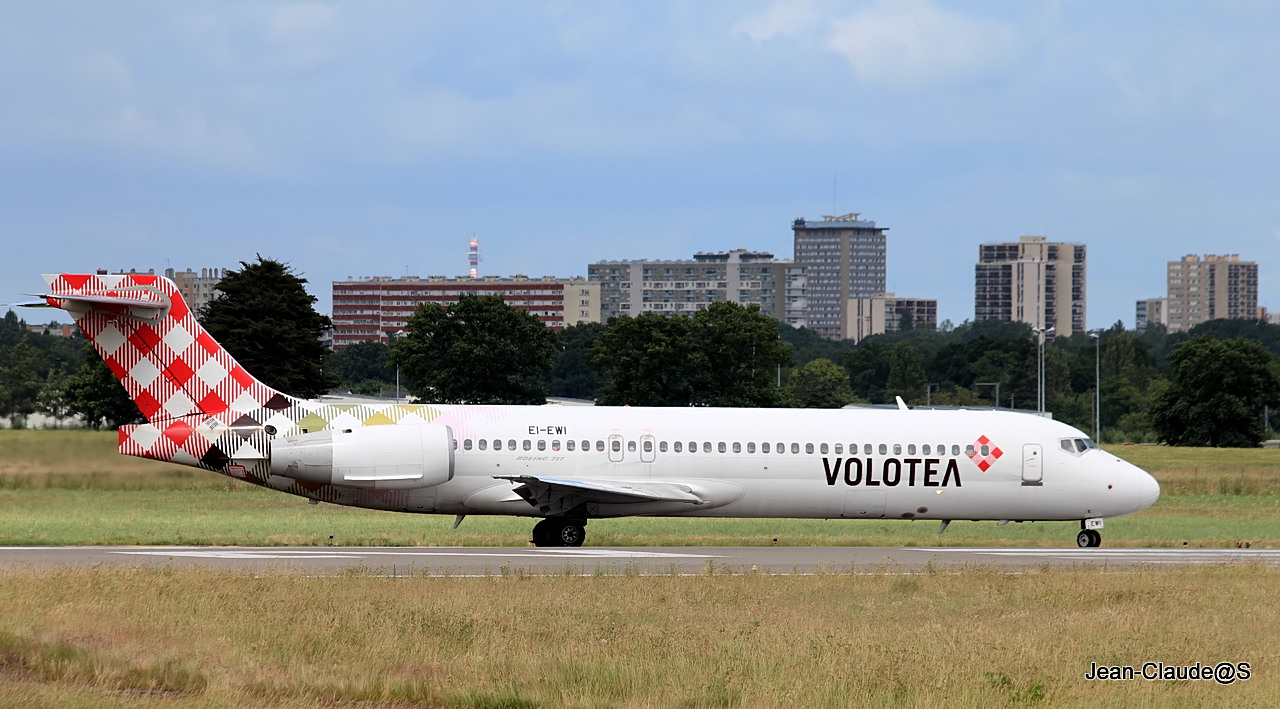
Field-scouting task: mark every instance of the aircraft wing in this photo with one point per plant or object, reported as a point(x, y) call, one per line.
point(558, 495)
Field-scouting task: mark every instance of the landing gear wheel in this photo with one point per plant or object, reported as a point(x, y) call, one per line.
point(572, 534)
point(544, 534)
point(1089, 538)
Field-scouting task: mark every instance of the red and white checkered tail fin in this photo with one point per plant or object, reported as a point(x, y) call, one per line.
point(171, 367)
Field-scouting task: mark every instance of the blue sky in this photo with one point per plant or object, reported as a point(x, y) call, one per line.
point(354, 139)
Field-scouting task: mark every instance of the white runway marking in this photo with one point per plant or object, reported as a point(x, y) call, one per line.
point(457, 553)
point(1146, 556)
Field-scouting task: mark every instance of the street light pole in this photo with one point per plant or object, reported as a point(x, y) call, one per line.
point(1097, 385)
point(1041, 335)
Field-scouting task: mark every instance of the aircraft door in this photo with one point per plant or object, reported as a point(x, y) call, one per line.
point(647, 447)
point(1032, 464)
point(615, 448)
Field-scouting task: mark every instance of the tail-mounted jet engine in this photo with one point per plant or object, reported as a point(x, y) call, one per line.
point(388, 457)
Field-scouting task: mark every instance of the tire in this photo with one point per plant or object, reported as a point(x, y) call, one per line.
point(571, 534)
point(1097, 538)
point(543, 534)
point(1084, 538)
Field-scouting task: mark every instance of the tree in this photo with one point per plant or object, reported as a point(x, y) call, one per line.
point(1217, 393)
point(649, 360)
point(821, 384)
point(868, 368)
point(742, 355)
point(19, 385)
point(906, 374)
point(94, 394)
point(265, 318)
point(479, 350)
point(724, 355)
point(364, 367)
point(572, 375)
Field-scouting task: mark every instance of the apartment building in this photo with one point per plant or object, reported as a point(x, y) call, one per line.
point(369, 308)
point(844, 258)
point(887, 312)
point(679, 287)
point(1032, 280)
point(1206, 289)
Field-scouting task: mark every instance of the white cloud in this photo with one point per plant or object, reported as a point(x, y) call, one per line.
point(780, 18)
point(913, 41)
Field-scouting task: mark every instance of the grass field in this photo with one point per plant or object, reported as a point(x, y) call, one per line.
point(193, 637)
point(71, 487)
point(190, 637)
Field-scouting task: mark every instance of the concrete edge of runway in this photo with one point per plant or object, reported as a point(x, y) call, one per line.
point(590, 561)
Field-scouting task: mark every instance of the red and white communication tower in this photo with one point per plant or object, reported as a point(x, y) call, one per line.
point(473, 257)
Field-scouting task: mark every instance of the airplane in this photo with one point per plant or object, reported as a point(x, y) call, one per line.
point(567, 465)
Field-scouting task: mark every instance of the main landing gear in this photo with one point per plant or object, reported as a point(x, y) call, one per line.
point(1089, 538)
point(560, 532)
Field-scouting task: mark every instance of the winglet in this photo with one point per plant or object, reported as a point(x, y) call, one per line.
point(902, 405)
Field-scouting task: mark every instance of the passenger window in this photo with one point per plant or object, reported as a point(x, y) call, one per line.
point(986, 451)
point(764, 447)
point(795, 449)
point(737, 447)
point(925, 449)
point(866, 449)
point(648, 446)
point(822, 448)
point(542, 445)
point(527, 444)
point(455, 444)
point(884, 449)
point(466, 445)
point(662, 446)
point(782, 448)
point(631, 446)
point(616, 446)
point(511, 444)
point(808, 448)
point(751, 447)
point(568, 445)
point(706, 446)
point(955, 449)
point(839, 448)
point(599, 446)
point(586, 446)
point(678, 446)
point(897, 449)
point(911, 449)
point(720, 447)
point(693, 446)
point(968, 450)
point(555, 445)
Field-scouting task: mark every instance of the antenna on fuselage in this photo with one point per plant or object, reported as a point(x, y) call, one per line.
point(902, 405)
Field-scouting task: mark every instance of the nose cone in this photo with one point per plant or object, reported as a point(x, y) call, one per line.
point(1148, 491)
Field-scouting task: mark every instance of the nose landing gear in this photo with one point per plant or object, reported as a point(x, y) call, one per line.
point(1089, 538)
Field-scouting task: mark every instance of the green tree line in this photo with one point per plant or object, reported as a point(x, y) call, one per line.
point(1214, 385)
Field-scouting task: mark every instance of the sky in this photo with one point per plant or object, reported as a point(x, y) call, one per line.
point(376, 138)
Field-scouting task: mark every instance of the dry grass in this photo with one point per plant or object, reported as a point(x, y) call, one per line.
point(1208, 471)
point(979, 637)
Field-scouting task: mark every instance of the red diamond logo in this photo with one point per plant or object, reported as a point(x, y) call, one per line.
point(985, 459)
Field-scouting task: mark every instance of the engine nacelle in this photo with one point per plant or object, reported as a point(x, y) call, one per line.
point(388, 457)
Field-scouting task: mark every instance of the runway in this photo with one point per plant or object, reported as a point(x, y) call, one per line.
point(497, 561)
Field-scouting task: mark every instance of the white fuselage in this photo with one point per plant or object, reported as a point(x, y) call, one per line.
point(849, 463)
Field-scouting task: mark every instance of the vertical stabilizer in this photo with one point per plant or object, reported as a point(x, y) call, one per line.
point(203, 407)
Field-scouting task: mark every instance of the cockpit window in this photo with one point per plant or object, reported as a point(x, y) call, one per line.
point(1076, 446)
